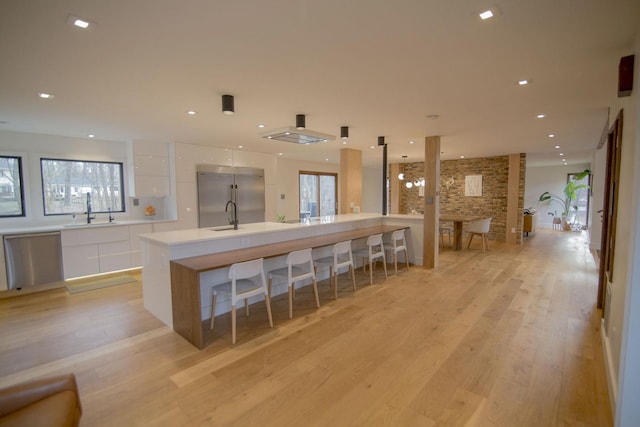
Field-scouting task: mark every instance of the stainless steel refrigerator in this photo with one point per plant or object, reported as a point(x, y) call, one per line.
point(219, 184)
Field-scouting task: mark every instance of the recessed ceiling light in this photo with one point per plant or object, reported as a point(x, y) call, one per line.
point(523, 82)
point(552, 135)
point(326, 160)
point(372, 147)
point(486, 14)
point(344, 142)
point(412, 142)
point(191, 113)
point(269, 137)
point(45, 95)
point(561, 154)
point(462, 157)
point(541, 116)
point(91, 135)
point(280, 154)
point(261, 125)
point(557, 146)
point(240, 146)
point(79, 22)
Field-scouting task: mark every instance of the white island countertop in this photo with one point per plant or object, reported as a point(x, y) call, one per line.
point(179, 237)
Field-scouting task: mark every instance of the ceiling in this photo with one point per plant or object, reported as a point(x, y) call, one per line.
point(381, 67)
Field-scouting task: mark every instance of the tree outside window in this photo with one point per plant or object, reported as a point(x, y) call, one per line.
point(66, 183)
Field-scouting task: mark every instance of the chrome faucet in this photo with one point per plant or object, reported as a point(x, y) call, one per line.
point(89, 217)
point(235, 213)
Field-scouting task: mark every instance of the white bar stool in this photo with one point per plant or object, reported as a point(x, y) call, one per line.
point(374, 251)
point(342, 258)
point(247, 280)
point(299, 267)
point(398, 244)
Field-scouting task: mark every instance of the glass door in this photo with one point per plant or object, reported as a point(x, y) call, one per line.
point(318, 194)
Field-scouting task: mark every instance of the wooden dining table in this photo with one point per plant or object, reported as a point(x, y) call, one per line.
point(457, 226)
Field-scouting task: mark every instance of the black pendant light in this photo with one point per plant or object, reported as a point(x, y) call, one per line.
point(300, 121)
point(227, 104)
point(344, 132)
point(380, 141)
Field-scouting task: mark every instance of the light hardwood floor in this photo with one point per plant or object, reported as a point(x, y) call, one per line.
point(509, 337)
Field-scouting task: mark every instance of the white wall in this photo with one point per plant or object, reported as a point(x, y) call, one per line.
point(547, 178)
point(622, 343)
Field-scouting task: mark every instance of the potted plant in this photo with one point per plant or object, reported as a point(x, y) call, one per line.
point(570, 195)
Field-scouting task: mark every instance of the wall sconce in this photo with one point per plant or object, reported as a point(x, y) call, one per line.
point(227, 104)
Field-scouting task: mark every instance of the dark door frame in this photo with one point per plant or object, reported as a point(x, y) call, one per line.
point(610, 209)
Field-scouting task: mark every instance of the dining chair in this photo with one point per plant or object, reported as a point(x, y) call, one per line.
point(479, 227)
point(395, 245)
point(448, 230)
point(341, 258)
point(299, 268)
point(247, 280)
point(375, 250)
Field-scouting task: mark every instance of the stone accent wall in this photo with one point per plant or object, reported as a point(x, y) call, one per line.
point(523, 169)
point(493, 202)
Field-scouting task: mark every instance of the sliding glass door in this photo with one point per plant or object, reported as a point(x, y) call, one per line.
point(318, 194)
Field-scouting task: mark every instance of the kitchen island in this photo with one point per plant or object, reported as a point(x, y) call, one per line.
point(193, 252)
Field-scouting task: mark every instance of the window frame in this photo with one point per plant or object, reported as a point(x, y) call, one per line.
point(23, 212)
point(108, 162)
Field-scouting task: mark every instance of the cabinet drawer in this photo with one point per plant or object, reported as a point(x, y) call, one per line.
point(114, 256)
point(84, 236)
point(81, 260)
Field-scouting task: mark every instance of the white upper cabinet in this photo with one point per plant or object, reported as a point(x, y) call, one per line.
point(151, 170)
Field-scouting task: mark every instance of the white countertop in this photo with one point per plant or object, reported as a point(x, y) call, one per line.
point(204, 234)
point(78, 225)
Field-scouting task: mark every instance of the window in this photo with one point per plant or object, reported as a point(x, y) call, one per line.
point(318, 194)
point(66, 183)
point(11, 189)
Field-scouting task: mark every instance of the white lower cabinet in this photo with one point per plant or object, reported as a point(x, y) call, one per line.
point(136, 247)
point(81, 260)
point(95, 250)
point(114, 256)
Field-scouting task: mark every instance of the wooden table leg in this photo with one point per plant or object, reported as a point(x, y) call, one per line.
point(457, 235)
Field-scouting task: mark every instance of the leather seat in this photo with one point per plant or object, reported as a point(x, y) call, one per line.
point(43, 403)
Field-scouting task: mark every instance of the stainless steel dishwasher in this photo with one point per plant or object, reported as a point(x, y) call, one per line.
point(33, 259)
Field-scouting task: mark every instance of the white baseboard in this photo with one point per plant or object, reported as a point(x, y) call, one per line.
point(612, 381)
